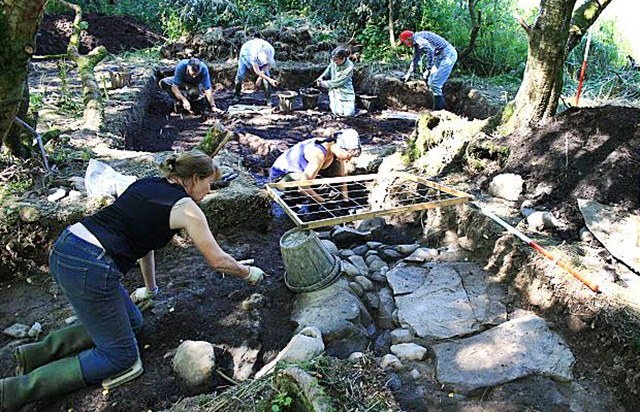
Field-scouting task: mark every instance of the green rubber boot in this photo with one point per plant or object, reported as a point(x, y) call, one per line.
point(267, 92)
point(57, 345)
point(438, 102)
point(55, 378)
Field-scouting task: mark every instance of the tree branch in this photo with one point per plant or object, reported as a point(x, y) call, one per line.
point(522, 23)
point(582, 19)
point(476, 23)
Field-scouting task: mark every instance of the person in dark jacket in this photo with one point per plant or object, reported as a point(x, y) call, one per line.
point(440, 58)
point(88, 262)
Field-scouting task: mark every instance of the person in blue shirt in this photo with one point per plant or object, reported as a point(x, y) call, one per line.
point(189, 81)
point(440, 58)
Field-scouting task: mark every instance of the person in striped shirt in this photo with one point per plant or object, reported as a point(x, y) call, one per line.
point(440, 58)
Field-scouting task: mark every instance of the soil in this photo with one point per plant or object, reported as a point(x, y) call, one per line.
point(603, 144)
point(116, 33)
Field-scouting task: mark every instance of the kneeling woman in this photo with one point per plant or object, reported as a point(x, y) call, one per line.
point(342, 98)
point(89, 260)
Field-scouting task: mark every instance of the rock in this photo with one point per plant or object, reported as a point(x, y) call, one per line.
point(377, 265)
point(71, 319)
point(17, 330)
point(345, 253)
point(344, 236)
point(77, 182)
point(374, 245)
point(356, 288)
point(585, 235)
point(359, 263)
point(331, 247)
point(337, 313)
point(306, 345)
point(58, 194)
point(390, 255)
point(256, 300)
point(360, 250)
point(194, 362)
point(348, 269)
point(73, 195)
point(415, 374)
point(401, 335)
point(507, 186)
point(409, 351)
point(371, 224)
point(377, 276)
point(390, 361)
point(407, 249)
point(382, 343)
point(356, 357)
point(422, 255)
point(35, 330)
point(526, 208)
point(364, 282)
point(515, 349)
point(542, 220)
point(467, 244)
point(387, 306)
point(372, 300)
point(29, 214)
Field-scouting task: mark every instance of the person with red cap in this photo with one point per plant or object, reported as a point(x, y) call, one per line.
point(440, 56)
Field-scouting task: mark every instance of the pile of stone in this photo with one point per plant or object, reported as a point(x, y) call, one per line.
point(290, 44)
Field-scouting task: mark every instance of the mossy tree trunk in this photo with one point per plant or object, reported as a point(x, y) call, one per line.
point(19, 22)
point(92, 96)
point(555, 32)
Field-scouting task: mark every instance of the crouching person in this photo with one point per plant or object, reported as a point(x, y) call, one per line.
point(342, 98)
point(89, 260)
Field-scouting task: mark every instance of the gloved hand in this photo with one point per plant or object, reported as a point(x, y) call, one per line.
point(256, 275)
point(407, 77)
point(425, 76)
point(187, 105)
point(143, 294)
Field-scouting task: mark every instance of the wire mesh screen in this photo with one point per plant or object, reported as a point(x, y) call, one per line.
point(327, 202)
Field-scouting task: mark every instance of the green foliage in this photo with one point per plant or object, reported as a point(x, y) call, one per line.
point(281, 402)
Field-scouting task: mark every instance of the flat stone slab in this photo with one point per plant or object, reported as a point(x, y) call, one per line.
point(445, 300)
point(521, 347)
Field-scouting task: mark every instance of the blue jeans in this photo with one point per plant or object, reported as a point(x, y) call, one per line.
point(92, 282)
point(443, 65)
point(244, 65)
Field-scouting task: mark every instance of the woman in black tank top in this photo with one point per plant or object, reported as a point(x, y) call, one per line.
point(88, 261)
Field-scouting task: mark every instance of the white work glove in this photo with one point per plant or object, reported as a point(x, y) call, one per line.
point(407, 77)
point(256, 275)
point(186, 105)
point(142, 294)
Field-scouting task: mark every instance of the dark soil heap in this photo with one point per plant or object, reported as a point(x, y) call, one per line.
point(116, 33)
point(591, 153)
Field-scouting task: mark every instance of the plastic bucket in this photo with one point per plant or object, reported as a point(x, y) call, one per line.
point(367, 101)
point(308, 264)
point(310, 98)
point(286, 100)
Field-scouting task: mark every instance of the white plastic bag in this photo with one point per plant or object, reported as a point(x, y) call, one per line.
point(100, 179)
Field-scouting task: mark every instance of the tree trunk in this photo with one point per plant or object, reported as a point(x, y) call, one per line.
point(91, 95)
point(537, 98)
point(476, 21)
point(19, 22)
point(392, 36)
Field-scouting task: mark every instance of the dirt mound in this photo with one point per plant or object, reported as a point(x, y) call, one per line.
point(591, 153)
point(116, 33)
